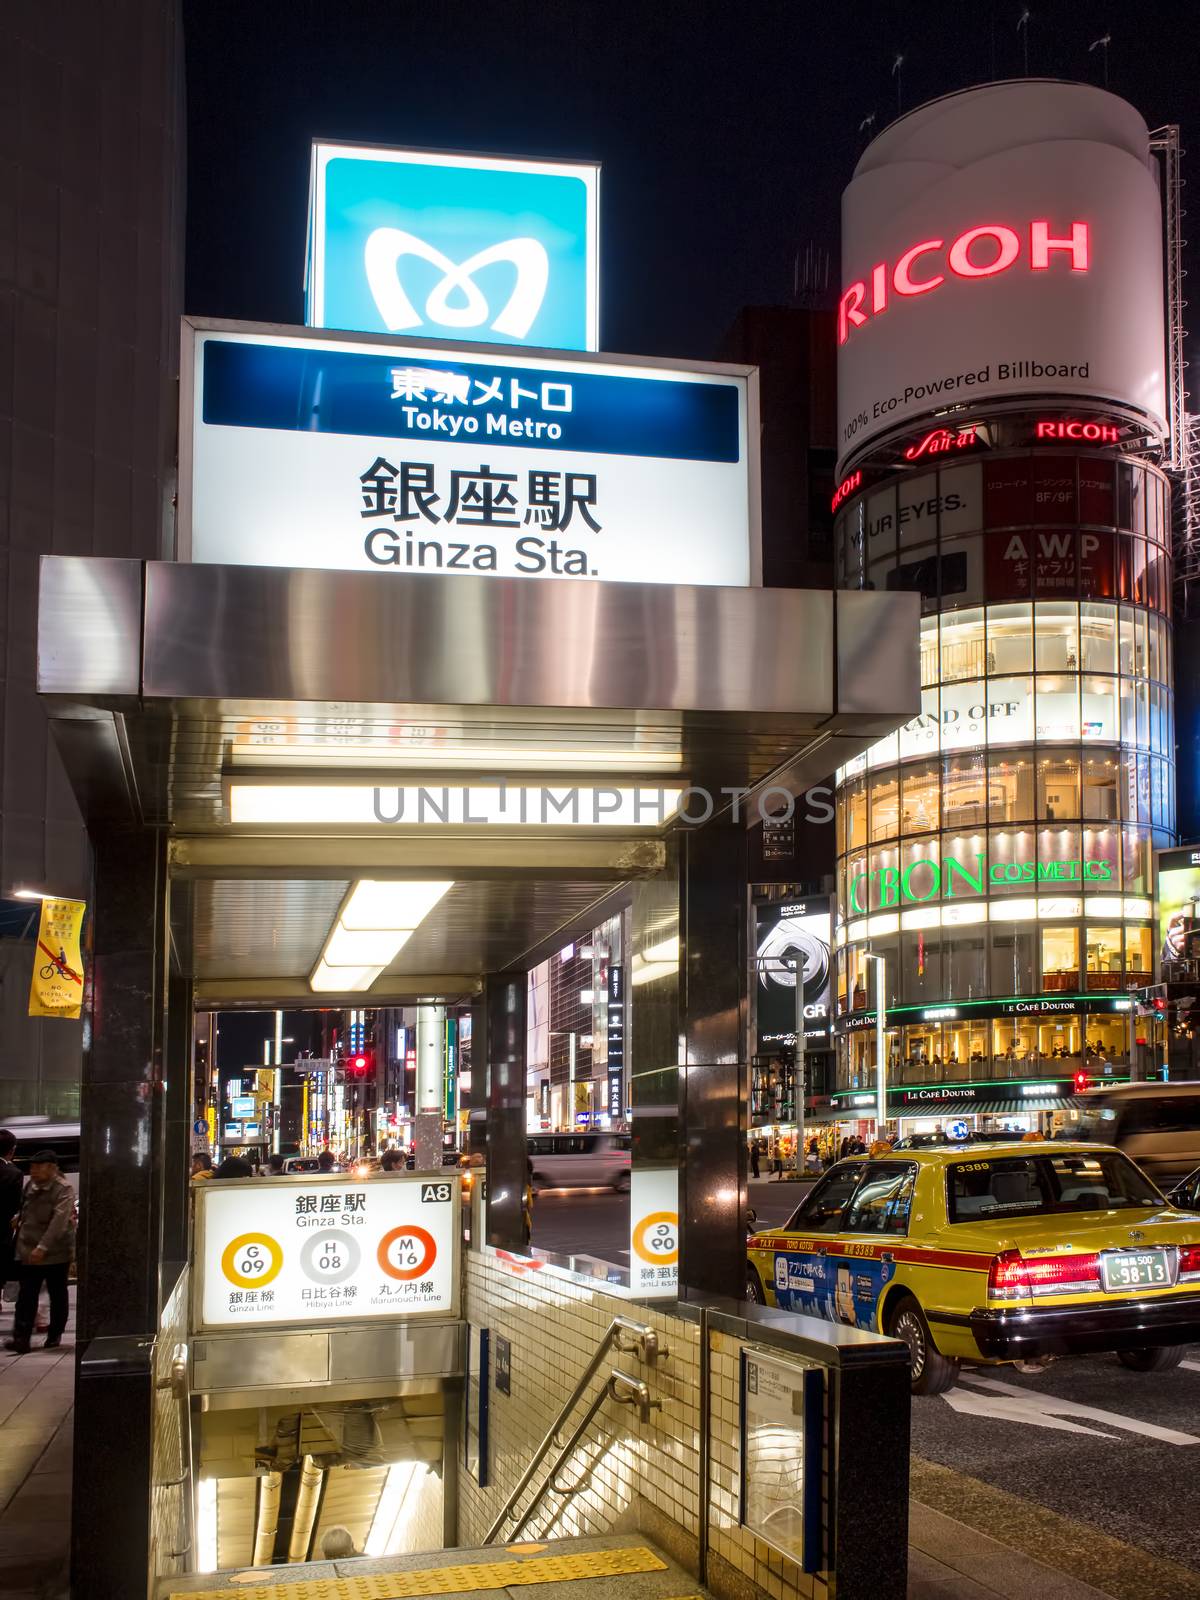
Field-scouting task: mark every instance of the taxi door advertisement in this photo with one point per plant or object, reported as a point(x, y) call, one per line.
point(839, 1287)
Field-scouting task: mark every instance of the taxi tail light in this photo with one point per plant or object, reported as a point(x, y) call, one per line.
point(1189, 1260)
point(1013, 1275)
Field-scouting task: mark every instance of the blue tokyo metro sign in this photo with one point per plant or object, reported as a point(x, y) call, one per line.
point(488, 249)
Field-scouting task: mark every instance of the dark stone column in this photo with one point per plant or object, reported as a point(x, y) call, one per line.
point(713, 1086)
point(179, 1096)
point(121, 1217)
point(504, 995)
point(652, 1021)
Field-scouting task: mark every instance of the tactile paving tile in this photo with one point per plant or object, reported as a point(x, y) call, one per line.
point(476, 1578)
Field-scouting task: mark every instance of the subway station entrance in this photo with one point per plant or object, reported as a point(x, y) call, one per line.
point(259, 751)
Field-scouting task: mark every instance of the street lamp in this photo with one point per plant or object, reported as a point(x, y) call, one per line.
point(880, 1043)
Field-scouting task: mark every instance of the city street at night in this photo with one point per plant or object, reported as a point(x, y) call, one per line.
point(1073, 1464)
point(599, 800)
point(595, 1222)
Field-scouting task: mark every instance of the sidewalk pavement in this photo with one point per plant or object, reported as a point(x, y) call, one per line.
point(37, 1396)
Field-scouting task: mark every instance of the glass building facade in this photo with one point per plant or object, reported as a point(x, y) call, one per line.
point(997, 851)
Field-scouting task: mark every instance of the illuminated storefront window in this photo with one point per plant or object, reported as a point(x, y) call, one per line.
point(997, 850)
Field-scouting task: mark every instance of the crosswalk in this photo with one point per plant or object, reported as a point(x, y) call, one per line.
point(993, 1398)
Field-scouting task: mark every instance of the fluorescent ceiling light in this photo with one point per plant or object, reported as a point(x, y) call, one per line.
point(281, 751)
point(376, 903)
point(340, 980)
point(561, 804)
point(375, 923)
point(206, 1525)
point(668, 951)
point(649, 971)
point(371, 947)
point(382, 1541)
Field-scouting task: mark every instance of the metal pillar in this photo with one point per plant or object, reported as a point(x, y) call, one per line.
point(503, 1052)
point(714, 1083)
point(427, 1123)
point(120, 1245)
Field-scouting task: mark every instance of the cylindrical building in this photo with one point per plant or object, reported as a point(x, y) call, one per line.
point(1001, 373)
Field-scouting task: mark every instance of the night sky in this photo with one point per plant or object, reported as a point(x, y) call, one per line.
point(726, 131)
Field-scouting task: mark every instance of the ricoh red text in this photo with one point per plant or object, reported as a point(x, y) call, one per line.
point(1093, 432)
point(980, 252)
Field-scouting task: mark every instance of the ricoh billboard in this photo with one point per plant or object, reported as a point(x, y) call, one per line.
point(996, 244)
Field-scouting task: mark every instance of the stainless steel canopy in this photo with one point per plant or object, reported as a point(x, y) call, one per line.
point(163, 681)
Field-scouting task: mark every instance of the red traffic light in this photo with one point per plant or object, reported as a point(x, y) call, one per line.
point(358, 1066)
point(1082, 1082)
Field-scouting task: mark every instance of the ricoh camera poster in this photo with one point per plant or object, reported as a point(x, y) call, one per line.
point(792, 936)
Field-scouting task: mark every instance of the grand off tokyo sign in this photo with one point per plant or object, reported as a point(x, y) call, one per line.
point(926, 879)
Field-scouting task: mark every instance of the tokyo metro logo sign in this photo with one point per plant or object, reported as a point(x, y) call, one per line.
point(386, 249)
point(453, 247)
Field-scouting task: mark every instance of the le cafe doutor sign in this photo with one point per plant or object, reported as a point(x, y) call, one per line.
point(925, 879)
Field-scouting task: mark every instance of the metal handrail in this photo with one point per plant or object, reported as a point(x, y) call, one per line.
point(176, 1382)
point(645, 1345)
point(625, 1391)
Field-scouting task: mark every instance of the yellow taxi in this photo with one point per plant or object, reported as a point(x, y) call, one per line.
point(989, 1253)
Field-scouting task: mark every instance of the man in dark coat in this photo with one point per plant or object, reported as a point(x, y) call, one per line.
point(45, 1244)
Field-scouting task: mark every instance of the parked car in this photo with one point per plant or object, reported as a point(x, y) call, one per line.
point(293, 1164)
point(40, 1133)
point(1185, 1196)
point(1155, 1124)
point(991, 1253)
point(577, 1160)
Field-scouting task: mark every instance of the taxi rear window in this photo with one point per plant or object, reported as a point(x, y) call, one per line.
point(1028, 1186)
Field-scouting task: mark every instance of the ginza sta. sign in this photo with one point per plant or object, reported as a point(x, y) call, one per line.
point(301, 449)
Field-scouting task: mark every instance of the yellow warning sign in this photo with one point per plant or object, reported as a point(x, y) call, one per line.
point(57, 986)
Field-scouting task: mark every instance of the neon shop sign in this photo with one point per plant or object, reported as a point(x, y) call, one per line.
point(941, 442)
point(925, 879)
point(981, 252)
point(1068, 428)
point(845, 488)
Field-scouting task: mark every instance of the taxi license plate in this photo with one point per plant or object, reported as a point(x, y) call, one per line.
point(1134, 1269)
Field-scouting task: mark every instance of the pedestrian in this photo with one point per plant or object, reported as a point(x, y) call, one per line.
point(777, 1162)
point(391, 1161)
point(337, 1544)
point(844, 1147)
point(45, 1242)
point(202, 1165)
point(755, 1159)
point(10, 1206)
point(275, 1164)
point(234, 1167)
point(325, 1161)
